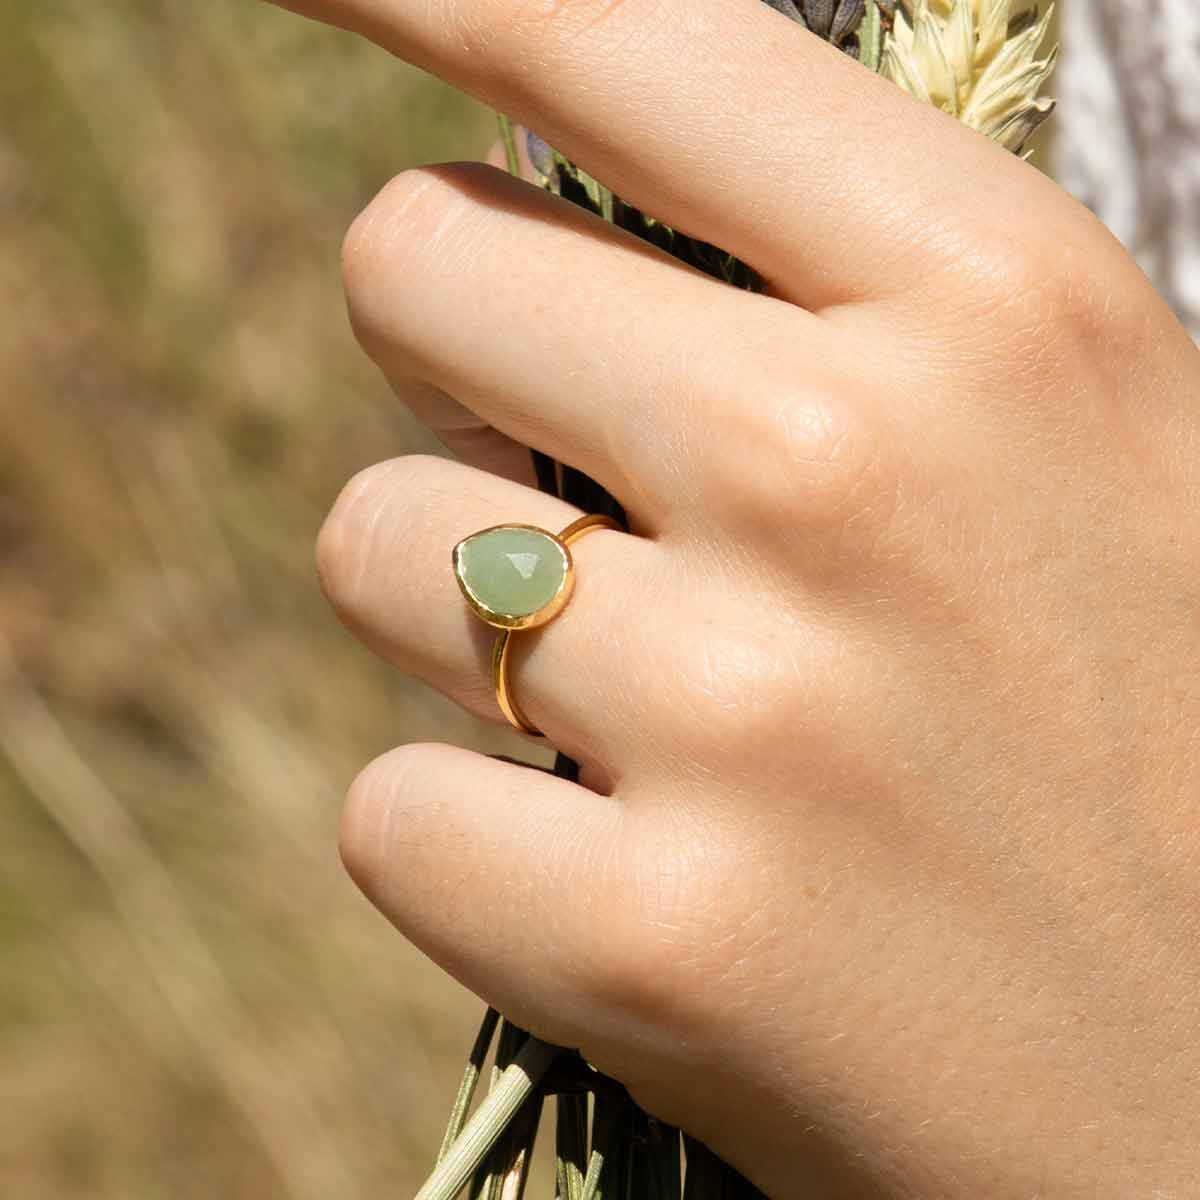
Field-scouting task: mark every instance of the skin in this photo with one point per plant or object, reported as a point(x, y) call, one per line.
point(883, 874)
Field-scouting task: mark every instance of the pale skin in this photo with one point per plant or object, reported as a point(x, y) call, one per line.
point(882, 876)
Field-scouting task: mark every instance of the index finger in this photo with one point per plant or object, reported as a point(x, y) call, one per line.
point(731, 123)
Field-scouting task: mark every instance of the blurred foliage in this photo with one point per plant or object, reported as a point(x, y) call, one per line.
point(194, 1000)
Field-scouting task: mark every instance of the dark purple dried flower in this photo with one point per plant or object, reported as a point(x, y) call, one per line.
point(833, 20)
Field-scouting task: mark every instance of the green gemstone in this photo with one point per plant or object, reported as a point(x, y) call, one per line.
point(510, 574)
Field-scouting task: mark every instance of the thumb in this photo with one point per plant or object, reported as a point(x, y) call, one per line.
point(502, 874)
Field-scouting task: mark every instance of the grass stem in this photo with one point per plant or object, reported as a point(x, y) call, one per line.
point(510, 144)
point(490, 1120)
point(466, 1089)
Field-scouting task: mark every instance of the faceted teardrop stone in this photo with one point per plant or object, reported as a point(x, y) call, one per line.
point(513, 576)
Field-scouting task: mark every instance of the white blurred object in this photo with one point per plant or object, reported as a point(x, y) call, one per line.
point(1128, 136)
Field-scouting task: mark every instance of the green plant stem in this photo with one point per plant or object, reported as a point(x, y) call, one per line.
point(500, 1167)
point(466, 1089)
point(489, 1121)
point(510, 144)
point(870, 37)
point(571, 1146)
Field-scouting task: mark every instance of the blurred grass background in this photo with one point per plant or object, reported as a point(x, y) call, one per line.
point(194, 1000)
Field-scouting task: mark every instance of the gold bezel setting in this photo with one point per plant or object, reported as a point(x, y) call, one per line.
point(505, 620)
point(507, 623)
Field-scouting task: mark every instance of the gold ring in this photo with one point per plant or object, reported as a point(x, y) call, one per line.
point(519, 577)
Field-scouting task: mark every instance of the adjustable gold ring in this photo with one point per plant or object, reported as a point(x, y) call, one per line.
point(519, 577)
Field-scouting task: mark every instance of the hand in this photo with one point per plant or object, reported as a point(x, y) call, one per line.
point(882, 876)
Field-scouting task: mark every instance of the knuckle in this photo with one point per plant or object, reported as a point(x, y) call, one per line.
point(342, 549)
point(798, 456)
point(736, 696)
point(1027, 276)
point(409, 225)
point(372, 235)
point(362, 828)
point(1089, 305)
point(378, 810)
point(1040, 301)
point(530, 26)
point(347, 544)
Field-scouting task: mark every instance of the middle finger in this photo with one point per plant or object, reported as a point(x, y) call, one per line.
point(566, 333)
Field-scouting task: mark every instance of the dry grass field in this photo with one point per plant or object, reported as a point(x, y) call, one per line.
point(194, 1000)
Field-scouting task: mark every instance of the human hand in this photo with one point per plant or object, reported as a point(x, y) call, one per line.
point(881, 878)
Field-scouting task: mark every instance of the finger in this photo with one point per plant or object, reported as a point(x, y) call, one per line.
point(383, 557)
point(581, 340)
point(468, 435)
point(471, 438)
point(726, 120)
point(498, 872)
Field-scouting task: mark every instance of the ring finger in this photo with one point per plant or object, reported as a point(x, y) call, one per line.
point(384, 561)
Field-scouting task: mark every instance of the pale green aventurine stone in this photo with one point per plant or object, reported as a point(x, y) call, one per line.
point(513, 572)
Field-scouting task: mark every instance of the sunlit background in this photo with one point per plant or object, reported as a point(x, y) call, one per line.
point(194, 1000)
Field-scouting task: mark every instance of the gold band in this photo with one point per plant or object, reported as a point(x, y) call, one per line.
point(500, 656)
